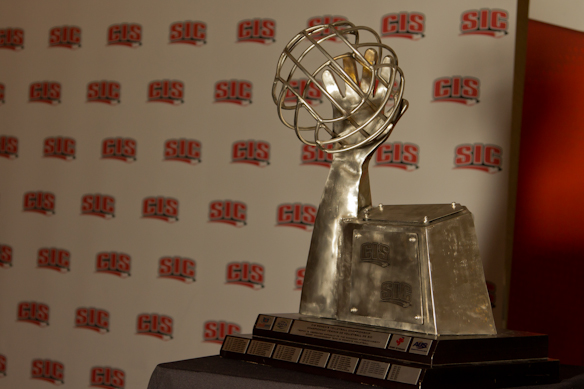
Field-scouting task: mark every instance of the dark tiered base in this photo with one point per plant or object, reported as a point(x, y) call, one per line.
point(395, 359)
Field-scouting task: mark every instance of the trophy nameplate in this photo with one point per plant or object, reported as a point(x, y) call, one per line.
point(393, 295)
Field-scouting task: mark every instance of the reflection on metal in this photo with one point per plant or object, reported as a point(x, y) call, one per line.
point(414, 268)
point(365, 110)
point(434, 282)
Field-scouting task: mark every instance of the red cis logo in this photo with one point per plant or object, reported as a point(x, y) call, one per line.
point(254, 152)
point(103, 92)
point(5, 256)
point(107, 377)
point(409, 25)
point(166, 91)
point(54, 259)
point(456, 89)
point(33, 312)
point(478, 156)
point(12, 38)
point(193, 33)
point(326, 19)
point(177, 268)
point(256, 30)
point(399, 155)
point(122, 149)
point(2, 88)
point(184, 150)
point(154, 324)
point(490, 22)
point(161, 208)
point(296, 215)
point(228, 212)
point(299, 278)
point(40, 202)
point(245, 274)
point(308, 91)
point(48, 370)
point(97, 204)
point(125, 34)
point(45, 92)
point(65, 36)
point(216, 331)
point(94, 319)
point(8, 147)
point(115, 263)
point(233, 91)
point(59, 147)
point(312, 155)
point(2, 365)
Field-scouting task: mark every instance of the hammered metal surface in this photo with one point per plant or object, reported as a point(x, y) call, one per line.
point(385, 276)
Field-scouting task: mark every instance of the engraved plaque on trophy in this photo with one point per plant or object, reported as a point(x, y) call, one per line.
point(393, 295)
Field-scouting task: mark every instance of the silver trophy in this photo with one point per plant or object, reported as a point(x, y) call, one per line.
point(388, 290)
point(415, 268)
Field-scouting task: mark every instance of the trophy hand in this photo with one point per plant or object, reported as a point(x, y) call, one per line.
point(359, 106)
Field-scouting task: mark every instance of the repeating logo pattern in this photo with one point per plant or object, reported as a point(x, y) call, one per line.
point(104, 91)
point(119, 148)
point(33, 312)
point(177, 268)
point(5, 256)
point(405, 156)
point(312, 155)
point(54, 259)
point(161, 208)
point(478, 156)
point(192, 33)
point(216, 331)
point(299, 278)
point(228, 212)
point(233, 91)
point(155, 325)
point(183, 150)
point(2, 365)
point(254, 152)
point(166, 91)
point(113, 262)
point(48, 92)
point(245, 274)
point(124, 34)
point(456, 89)
point(98, 204)
point(65, 36)
point(485, 21)
point(94, 319)
point(8, 147)
point(48, 370)
point(39, 202)
point(305, 89)
point(60, 147)
point(12, 38)
point(409, 25)
point(107, 377)
point(325, 19)
point(296, 215)
point(256, 30)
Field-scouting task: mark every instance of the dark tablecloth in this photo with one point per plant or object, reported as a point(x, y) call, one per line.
point(217, 372)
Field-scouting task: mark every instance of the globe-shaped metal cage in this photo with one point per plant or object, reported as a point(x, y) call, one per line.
point(365, 104)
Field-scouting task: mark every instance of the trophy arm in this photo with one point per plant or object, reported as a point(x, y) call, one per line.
point(346, 192)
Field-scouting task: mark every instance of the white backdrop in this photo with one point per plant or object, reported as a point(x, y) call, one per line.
point(150, 199)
